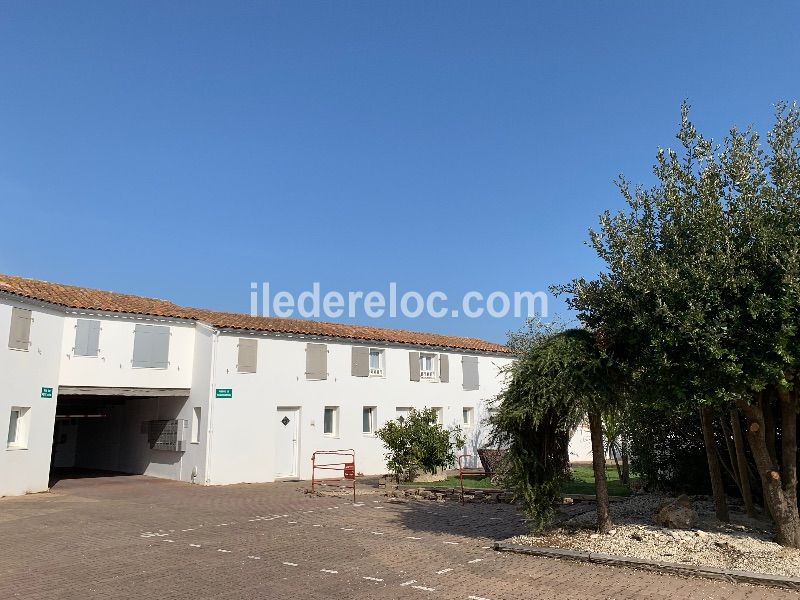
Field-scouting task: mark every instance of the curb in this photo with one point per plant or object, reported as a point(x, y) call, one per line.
point(776, 581)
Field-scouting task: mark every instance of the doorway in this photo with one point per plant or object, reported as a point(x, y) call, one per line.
point(287, 443)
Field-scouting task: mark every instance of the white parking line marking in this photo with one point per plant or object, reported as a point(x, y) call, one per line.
point(376, 532)
point(347, 529)
point(225, 551)
point(423, 588)
point(372, 578)
point(474, 560)
point(411, 537)
point(443, 571)
point(195, 545)
point(292, 523)
point(317, 525)
point(329, 571)
point(288, 564)
point(451, 543)
point(255, 557)
point(476, 598)
point(170, 541)
point(408, 582)
point(378, 507)
point(190, 529)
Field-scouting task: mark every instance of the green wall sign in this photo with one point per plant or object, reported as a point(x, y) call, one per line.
point(47, 392)
point(224, 393)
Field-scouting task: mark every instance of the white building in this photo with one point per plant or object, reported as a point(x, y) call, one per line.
point(100, 380)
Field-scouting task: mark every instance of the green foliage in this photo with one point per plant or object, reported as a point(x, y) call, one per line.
point(418, 443)
point(558, 377)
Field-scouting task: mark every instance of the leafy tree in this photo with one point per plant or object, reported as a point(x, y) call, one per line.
point(419, 443)
point(559, 377)
point(700, 297)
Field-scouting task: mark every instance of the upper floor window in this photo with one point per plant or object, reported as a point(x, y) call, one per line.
point(19, 335)
point(248, 356)
point(376, 357)
point(151, 347)
point(87, 337)
point(469, 369)
point(427, 365)
point(316, 361)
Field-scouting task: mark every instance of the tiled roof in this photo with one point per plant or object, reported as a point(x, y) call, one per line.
point(90, 299)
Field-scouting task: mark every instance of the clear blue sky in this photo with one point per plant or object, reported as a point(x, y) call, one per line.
point(185, 149)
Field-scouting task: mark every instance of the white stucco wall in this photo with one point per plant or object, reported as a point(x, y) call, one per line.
point(112, 367)
point(243, 446)
point(23, 374)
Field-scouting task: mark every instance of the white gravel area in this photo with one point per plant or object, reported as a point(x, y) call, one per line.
point(744, 544)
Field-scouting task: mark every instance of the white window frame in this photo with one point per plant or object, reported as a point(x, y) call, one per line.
point(428, 374)
point(381, 369)
point(373, 420)
point(439, 415)
point(197, 419)
point(402, 411)
point(20, 441)
point(469, 413)
point(334, 433)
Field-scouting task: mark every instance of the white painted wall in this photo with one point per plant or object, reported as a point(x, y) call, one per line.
point(112, 366)
point(22, 377)
point(243, 446)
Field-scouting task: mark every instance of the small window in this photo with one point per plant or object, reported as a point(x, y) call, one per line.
point(376, 362)
point(439, 415)
point(369, 420)
point(402, 412)
point(330, 424)
point(196, 414)
point(151, 347)
point(248, 356)
point(467, 416)
point(427, 366)
point(18, 428)
point(87, 337)
point(19, 335)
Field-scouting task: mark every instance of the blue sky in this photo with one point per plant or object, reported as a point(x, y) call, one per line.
point(182, 150)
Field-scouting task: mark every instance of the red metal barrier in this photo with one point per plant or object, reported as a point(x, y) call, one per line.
point(347, 468)
point(462, 470)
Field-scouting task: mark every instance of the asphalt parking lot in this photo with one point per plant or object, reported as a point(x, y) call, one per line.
point(136, 537)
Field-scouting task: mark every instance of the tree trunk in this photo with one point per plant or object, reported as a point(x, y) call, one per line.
point(785, 515)
point(599, 465)
point(626, 463)
point(733, 471)
point(741, 463)
point(789, 448)
point(714, 470)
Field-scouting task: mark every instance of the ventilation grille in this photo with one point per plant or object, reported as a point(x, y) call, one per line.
point(167, 435)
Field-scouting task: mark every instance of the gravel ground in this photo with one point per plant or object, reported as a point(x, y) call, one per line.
point(744, 544)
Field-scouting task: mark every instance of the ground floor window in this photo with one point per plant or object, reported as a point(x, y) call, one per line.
point(402, 412)
point(369, 420)
point(467, 416)
point(439, 414)
point(196, 414)
point(330, 421)
point(18, 427)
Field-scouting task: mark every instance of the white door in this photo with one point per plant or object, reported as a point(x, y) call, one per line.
point(287, 441)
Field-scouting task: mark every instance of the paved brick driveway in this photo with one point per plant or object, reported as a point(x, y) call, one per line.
point(135, 537)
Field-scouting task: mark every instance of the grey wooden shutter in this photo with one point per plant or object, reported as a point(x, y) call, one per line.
point(316, 361)
point(87, 337)
point(359, 366)
point(160, 347)
point(444, 368)
point(19, 335)
point(248, 356)
point(469, 367)
point(151, 346)
point(413, 365)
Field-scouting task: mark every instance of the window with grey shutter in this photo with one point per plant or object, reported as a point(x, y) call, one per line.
point(469, 367)
point(19, 335)
point(444, 368)
point(87, 337)
point(151, 347)
point(360, 361)
point(413, 365)
point(248, 355)
point(316, 361)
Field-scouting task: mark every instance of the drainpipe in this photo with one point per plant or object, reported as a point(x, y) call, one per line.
point(209, 418)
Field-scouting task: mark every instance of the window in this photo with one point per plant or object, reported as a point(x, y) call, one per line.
point(87, 337)
point(330, 422)
point(196, 414)
point(439, 414)
point(18, 428)
point(427, 366)
point(375, 362)
point(316, 361)
point(369, 420)
point(248, 356)
point(466, 416)
point(19, 335)
point(151, 347)
point(402, 412)
point(469, 368)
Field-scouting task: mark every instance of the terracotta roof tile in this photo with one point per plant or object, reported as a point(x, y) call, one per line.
point(90, 299)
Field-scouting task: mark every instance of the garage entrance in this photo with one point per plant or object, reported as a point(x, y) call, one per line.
point(117, 431)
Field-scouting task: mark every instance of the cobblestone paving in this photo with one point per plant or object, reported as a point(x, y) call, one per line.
point(148, 539)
